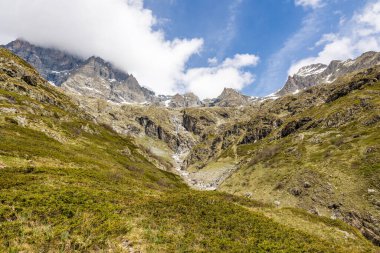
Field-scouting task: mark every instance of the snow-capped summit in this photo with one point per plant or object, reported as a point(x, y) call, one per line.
point(313, 69)
point(320, 73)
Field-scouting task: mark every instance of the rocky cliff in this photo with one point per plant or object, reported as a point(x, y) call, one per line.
point(100, 79)
point(54, 65)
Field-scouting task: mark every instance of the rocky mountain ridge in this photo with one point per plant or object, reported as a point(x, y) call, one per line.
point(110, 83)
point(92, 77)
point(97, 78)
point(231, 98)
point(181, 101)
point(54, 65)
point(316, 74)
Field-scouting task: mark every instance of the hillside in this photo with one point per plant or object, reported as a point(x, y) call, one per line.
point(204, 146)
point(70, 184)
point(317, 150)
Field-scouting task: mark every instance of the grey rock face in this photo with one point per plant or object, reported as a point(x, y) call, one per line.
point(93, 77)
point(319, 73)
point(184, 101)
point(100, 79)
point(231, 97)
point(54, 65)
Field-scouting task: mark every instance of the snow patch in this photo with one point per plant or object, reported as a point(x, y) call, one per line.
point(329, 79)
point(272, 96)
point(311, 70)
point(296, 91)
point(167, 102)
point(348, 63)
point(91, 89)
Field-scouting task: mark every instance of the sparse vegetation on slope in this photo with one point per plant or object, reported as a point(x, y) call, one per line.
point(325, 155)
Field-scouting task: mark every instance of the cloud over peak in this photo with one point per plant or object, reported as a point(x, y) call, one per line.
point(210, 81)
point(122, 32)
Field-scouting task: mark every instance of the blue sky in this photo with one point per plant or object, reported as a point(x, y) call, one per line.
point(200, 46)
point(278, 31)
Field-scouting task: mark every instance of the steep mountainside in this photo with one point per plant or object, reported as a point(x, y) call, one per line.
point(319, 73)
point(54, 65)
point(99, 79)
point(317, 150)
point(69, 184)
point(92, 77)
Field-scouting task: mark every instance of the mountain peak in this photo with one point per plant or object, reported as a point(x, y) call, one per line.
point(231, 97)
point(315, 74)
point(54, 65)
point(228, 92)
point(186, 100)
point(93, 77)
point(18, 43)
point(311, 69)
point(106, 69)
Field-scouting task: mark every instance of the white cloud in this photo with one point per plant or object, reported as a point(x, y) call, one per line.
point(209, 82)
point(4, 38)
point(241, 60)
point(120, 31)
point(360, 34)
point(212, 61)
point(308, 3)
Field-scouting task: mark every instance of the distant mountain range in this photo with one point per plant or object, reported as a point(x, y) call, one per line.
point(98, 78)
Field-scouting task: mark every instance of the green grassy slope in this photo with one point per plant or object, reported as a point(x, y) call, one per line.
point(68, 184)
point(331, 164)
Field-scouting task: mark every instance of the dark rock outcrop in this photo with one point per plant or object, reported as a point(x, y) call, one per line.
point(293, 126)
point(155, 131)
point(367, 225)
point(196, 125)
